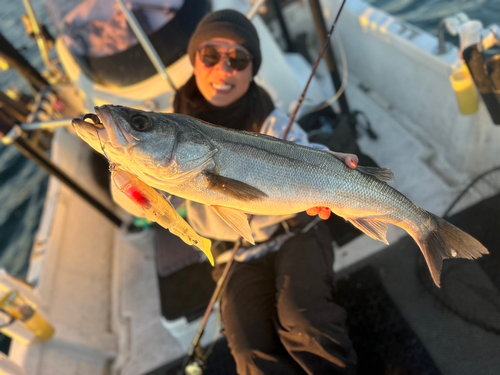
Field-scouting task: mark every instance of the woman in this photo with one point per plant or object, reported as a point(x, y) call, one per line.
point(278, 309)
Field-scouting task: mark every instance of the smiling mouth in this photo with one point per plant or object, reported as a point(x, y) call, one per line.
point(222, 87)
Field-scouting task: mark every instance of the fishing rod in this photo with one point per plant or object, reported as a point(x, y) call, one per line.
point(39, 37)
point(11, 133)
point(196, 360)
point(316, 8)
point(16, 60)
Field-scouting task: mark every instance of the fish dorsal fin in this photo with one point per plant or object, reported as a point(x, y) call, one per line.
point(233, 188)
point(373, 228)
point(383, 174)
point(237, 220)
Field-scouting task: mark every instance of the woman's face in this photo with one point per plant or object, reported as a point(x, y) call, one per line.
point(220, 84)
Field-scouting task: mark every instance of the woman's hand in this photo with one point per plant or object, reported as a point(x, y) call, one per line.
point(324, 213)
point(350, 160)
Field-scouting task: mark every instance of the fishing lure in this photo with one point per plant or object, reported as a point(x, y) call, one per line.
point(159, 210)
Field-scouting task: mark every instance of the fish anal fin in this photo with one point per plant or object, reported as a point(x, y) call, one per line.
point(383, 174)
point(237, 220)
point(233, 188)
point(373, 228)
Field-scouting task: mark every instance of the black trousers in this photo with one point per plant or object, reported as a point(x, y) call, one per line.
point(279, 311)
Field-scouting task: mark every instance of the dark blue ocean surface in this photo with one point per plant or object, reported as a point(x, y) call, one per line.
point(13, 29)
point(22, 191)
point(427, 14)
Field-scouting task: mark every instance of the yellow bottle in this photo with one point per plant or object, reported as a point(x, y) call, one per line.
point(13, 304)
point(465, 90)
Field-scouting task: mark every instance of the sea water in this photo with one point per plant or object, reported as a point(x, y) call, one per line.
point(22, 183)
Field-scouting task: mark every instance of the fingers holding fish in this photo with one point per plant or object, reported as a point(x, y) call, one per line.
point(350, 160)
point(323, 212)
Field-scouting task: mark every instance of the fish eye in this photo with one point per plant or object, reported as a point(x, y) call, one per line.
point(141, 123)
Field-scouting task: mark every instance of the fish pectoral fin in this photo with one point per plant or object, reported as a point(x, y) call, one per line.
point(237, 220)
point(383, 174)
point(233, 188)
point(373, 228)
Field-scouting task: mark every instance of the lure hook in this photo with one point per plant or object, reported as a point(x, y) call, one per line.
point(95, 119)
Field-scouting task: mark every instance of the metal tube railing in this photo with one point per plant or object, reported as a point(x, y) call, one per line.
point(46, 124)
point(145, 43)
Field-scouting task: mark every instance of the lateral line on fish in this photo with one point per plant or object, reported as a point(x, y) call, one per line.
point(244, 148)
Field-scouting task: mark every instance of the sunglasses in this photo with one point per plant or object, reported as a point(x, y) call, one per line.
point(236, 58)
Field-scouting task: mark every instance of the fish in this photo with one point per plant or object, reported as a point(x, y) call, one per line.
point(239, 173)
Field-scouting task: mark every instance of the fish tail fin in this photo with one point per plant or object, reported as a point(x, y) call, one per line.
point(443, 240)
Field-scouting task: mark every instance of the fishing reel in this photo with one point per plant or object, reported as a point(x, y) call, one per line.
point(194, 368)
point(480, 51)
point(484, 66)
point(195, 362)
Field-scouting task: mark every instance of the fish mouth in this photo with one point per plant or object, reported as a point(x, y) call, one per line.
point(91, 133)
point(117, 135)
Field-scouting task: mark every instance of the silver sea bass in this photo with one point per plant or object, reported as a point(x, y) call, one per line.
point(238, 172)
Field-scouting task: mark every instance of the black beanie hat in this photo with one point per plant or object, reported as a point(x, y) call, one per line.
point(229, 24)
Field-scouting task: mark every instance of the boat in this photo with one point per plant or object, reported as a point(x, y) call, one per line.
point(112, 294)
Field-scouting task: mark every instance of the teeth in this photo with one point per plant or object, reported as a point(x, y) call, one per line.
point(221, 87)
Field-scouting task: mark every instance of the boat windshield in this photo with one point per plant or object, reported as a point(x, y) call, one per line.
point(97, 34)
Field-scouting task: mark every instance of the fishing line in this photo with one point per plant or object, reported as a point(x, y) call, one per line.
point(345, 75)
point(97, 121)
point(440, 295)
point(472, 183)
point(102, 148)
point(323, 51)
point(111, 166)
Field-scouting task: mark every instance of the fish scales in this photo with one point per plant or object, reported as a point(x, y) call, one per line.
point(304, 170)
